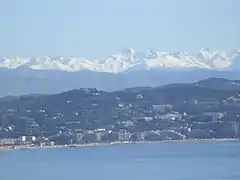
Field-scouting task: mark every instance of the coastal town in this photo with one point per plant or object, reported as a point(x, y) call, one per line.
point(91, 116)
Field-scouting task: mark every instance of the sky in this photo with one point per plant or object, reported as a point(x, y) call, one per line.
point(95, 29)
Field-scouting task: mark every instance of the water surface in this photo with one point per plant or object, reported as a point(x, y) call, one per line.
point(160, 161)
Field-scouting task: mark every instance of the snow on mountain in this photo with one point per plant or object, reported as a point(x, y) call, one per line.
point(120, 62)
point(129, 59)
point(13, 63)
point(221, 60)
point(215, 59)
point(172, 60)
point(46, 62)
point(235, 60)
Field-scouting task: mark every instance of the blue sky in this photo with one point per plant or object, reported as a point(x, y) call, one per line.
point(98, 28)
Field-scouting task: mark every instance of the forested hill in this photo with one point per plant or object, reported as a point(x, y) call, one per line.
point(94, 108)
point(212, 89)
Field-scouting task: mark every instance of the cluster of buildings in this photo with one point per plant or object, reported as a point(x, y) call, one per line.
point(127, 122)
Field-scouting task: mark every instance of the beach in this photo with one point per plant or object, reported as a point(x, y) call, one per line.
point(23, 147)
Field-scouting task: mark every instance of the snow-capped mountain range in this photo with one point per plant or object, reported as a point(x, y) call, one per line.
point(129, 59)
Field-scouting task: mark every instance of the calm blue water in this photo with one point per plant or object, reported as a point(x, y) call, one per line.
point(162, 161)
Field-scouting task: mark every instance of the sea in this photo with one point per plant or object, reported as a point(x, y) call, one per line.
point(155, 161)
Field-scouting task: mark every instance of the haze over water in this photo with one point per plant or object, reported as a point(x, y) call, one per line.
point(165, 161)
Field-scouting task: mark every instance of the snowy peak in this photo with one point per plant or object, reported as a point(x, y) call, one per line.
point(129, 59)
point(120, 61)
point(172, 60)
point(215, 59)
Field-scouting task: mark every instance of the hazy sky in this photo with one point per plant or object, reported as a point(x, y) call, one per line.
point(98, 28)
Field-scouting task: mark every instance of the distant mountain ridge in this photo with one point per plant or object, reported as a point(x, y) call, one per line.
point(219, 84)
point(26, 81)
point(122, 70)
point(130, 60)
point(172, 93)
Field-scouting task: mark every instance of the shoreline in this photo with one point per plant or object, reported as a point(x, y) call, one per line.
point(23, 147)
